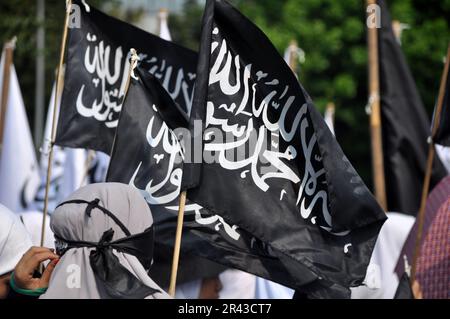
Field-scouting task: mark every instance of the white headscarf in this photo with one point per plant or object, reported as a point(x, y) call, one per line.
point(381, 280)
point(32, 220)
point(266, 289)
point(189, 290)
point(14, 240)
point(73, 276)
point(237, 284)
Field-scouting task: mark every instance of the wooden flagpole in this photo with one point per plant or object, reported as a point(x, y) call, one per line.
point(429, 168)
point(59, 79)
point(176, 249)
point(375, 115)
point(8, 49)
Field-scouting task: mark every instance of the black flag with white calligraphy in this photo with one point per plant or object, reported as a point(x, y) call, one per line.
point(442, 135)
point(147, 155)
point(274, 169)
point(405, 125)
point(97, 72)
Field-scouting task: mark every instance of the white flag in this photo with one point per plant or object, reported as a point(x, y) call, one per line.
point(381, 281)
point(329, 117)
point(19, 177)
point(444, 155)
point(68, 166)
point(164, 32)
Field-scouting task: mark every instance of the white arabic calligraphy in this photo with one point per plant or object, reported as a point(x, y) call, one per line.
point(226, 73)
point(107, 86)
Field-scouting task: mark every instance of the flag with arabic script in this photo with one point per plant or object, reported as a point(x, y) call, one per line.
point(97, 72)
point(272, 167)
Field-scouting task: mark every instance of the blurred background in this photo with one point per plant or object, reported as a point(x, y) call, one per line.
point(330, 34)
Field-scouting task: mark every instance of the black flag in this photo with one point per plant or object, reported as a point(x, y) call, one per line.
point(97, 72)
point(404, 290)
point(442, 135)
point(278, 173)
point(148, 155)
point(405, 126)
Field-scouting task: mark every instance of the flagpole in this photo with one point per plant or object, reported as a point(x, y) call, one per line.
point(176, 249)
point(375, 115)
point(429, 168)
point(8, 49)
point(53, 131)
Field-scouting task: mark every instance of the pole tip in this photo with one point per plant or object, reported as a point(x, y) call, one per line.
point(163, 13)
point(11, 44)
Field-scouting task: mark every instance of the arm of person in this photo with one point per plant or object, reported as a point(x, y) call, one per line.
point(29, 263)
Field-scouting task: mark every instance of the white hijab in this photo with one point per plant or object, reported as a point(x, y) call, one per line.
point(32, 220)
point(381, 281)
point(237, 284)
point(14, 240)
point(73, 277)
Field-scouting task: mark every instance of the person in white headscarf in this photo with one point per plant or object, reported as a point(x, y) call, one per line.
point(266, 289)
point(14, 242)
point(32, 220)
point(237, 284)
point(202, 288)
point(188, 290)
point(381, 281)
point(104, 235)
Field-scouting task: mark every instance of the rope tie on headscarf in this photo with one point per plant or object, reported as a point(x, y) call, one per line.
point(91, 205)
point(118, 281)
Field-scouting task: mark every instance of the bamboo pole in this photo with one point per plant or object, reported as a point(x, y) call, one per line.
point(176, 250)
point(59, 79)
point(8, 50)
point(429, 168)
point(375, 116)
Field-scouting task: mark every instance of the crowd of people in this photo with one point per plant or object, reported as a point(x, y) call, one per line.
point(99, 244)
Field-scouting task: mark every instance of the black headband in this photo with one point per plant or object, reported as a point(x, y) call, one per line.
point(119, 282)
